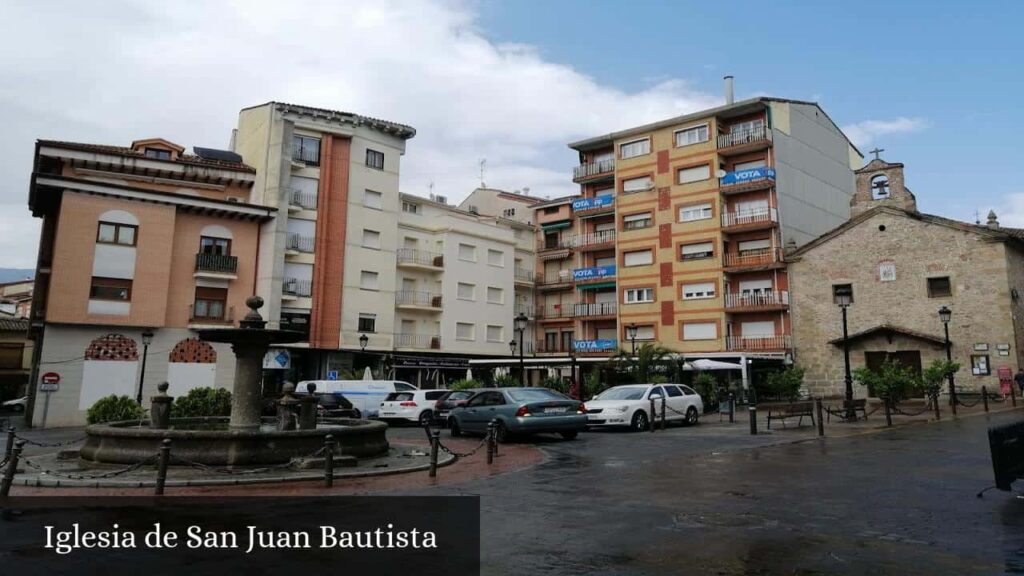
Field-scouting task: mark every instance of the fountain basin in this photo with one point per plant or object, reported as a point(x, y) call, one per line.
point(210, 441)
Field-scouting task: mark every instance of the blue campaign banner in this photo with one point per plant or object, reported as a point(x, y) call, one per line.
point(591, 203)
point(593, 273)
point(594, 345)
point(741, 176)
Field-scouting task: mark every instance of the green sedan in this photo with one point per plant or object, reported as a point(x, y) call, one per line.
point(519, 411)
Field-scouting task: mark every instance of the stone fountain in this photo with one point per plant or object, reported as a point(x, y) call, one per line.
point(245, 438)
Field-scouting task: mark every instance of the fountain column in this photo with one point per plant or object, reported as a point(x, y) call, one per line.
point(247, 393)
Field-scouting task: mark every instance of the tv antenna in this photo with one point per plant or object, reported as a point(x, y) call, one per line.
point(483, 167)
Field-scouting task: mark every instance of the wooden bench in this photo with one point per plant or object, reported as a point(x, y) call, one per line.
point(859, 405)
point(781, 411)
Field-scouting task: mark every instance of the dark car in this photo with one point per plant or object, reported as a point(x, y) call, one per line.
point(519, 411)
point(451, 399)
point(335, 406)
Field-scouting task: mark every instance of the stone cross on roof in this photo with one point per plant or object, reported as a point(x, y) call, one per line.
point(876, 152)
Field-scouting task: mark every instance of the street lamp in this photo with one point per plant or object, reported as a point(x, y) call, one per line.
point(843, 298)
point(945, 315)
point(147, 339)
point(521, 321)
point(363, 341)
point(631, 334)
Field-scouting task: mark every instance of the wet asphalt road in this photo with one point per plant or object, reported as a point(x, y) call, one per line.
point(714, 500)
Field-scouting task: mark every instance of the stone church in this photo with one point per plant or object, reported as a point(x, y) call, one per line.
point(901, 267)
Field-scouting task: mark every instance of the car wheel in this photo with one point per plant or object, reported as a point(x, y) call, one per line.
point(639, 423)
point(570, 435)
point(500, 432)
point(691, 416)
point(426, 417)
point(453, 426)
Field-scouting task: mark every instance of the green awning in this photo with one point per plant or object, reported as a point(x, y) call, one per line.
point(556, 225)
point(596, 286)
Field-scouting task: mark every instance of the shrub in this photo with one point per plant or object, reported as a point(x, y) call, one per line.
point(464, 384)
point(786, 384)
point(706, 385)
point(202, 402)
point(113, 409)
point(556, 384)
point(506, 381)
point(936, 374)
point(592, 384)
point(892, 382)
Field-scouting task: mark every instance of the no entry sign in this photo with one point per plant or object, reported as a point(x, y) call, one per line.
point(50, 382)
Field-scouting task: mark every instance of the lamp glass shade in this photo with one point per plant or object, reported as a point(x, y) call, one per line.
point(843, 297)
point(945, 314)
point(512, 345)
point(363, 340)
point(147, 337)
point(631, 331)
point(521, 321)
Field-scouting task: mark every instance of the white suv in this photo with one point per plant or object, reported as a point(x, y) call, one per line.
point(415, 406)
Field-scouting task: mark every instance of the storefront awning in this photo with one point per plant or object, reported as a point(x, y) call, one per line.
point(556, 225)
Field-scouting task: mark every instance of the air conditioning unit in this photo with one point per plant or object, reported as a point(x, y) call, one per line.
point(439, 261)
point(435, 302)
point(441, 199)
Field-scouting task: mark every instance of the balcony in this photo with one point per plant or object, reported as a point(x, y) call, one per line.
point(416, 300)
point(749, 220)
point(593, 274)
point(556, 312)
point(593, 240)
point(418, 341)
point(548, 243)
point(777, 342)
point(553, 348)
point(218, 266)
point(593, 171)
point(419, 259)
point(750, 180)
point(761, 259)
point(300, 200)
point(293, 288)
point(560, 280)
point(207, 315)
point(599, 346)
point(300, 243)
point(757, 301)
point(306, 156)
point(743, 141)
point(524, 276)
point(596, 309)
point(524, 310)
point(593, 206)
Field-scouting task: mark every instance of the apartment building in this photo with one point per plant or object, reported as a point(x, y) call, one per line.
point(16, 298)
point(140, 245)
point(333, 176)
point(679, 230)
point(517, 206)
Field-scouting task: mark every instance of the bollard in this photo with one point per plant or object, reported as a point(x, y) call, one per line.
point(12, 468)
point(426, 430)
point(1013, 394)
point(984, 398)
point(328, 461)
point(10, 442)
point(732, 407)
point(435, 440)
point(888, 413)
point(953, 401)
point(163, 459)
point(935, 401)
point(752, 408)
point(821, 421)
point(652, 421)
point(495, 422)
point(664, 424)
point(490, 442)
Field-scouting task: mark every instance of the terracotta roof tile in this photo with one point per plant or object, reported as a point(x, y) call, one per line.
point(191, 159)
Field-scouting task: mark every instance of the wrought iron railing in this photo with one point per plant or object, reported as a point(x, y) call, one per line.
point(306, 156)
point(296, 287)
point(524, 275)
point(301, 243)
point(776, 342)
point(759, 257)
point(421, 341)
point(757, 299)
point(588, 169)
point(418, 298)
point(594, 309)
point(591, 239)
point(744, 137)
point(207, 314)
point(420, 257)
point(219, 263)
point(303, 199)
point(745, 217)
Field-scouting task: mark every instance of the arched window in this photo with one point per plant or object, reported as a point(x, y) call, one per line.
point(880, 187)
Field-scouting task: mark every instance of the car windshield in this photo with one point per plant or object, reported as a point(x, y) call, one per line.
point(533, 395)
point(398, 397)
point(622, 393)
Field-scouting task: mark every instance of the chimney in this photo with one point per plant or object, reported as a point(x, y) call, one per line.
point(728, 90)
point(993, 221)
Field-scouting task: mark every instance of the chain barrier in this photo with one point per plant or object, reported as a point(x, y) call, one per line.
point(897, 410)
point(965, 404)
point(50, 444)
point(462, 454)
point(111, 474)
point(997, 398)
point(243, 472)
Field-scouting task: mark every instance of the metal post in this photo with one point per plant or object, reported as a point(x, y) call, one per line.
point(935, 401)
point(10, 442)
point(653, 417)
point(329, 461)
point(522, 363)
point(888, 413)
point(142, 374)
point(949, 358)
point(752, 408)
point(633, 341)
point(851, 414)
point(732, 407)
point(490, 442)
point(426, 430)
point(1013, 394)
point(161, 466)
point(821, 421)
point(984, 397)
point(664, 424)
point(12, 468)
point(435, 441)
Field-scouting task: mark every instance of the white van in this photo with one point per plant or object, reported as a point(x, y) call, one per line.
point(365, 395)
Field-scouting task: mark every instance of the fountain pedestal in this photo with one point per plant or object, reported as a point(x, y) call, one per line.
point(247, 393)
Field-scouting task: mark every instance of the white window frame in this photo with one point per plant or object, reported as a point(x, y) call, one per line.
point(626, 255)
point(695, 212)
point(363, 316)
point(472, 291)
point(371, 245)
point(644, 333)
point(694, 325)
point(699, 291)
point(622, 148)
point(367, 194)
point(634, 295)
point(501, 333)
point(410, 207)
point(711, 252)
point(644, 216)
point(698, 128)
point(691, 169)
point(501, 295)
point(501, 258)
point(626, 189)
point(365, 275)
point(472, 331)
point(472, 249)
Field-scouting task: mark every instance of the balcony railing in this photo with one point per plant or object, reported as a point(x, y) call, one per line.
point(301, 243)
point(528, 311)
point(554, 243)
point(209, 315)
point(218, 263)
point(554, 312)
point(741, 137)
point(417, 298)
point(296, 287)
point(553, 348)
point(421, 341)
point(591, 239)
point(752, 258)
point(594, 309)
point(745, 217)
point(777, 342)
point(561, 277)
point(591, 169)
point(743, 180)
point(303, 199)
point(306, 156)
point(524, 275)
point(757, 299)
point(420, 257)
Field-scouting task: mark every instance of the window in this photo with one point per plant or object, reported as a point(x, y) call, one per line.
point(371, 239)
point(696, 251)
point(306, 150)
point(367, 323)
point(467, 252)
point(638, 258)
point(642, 332)
point(495, 333)
point(113, 233)
point(110, 289)
point(980, 365)
point(699, 291)
point(880, 187)
point(211, 245)
point(374, 159)
point(368, 280)
point(635, 148)
point(466, 291)
point(496, 258)
point(939, 287)
point(696, 212)
point(700, 331)
point(410, 208)
point(508, 212)
point(551, 210)
point(495, 295)
point(637, 184)
point(637, 221)
point(158, 154)
point(11, 354)
point(373, 199)
point(753, 247)
point(638, 295)
point(694, 135)
point(845, 290)
point(760, 329)
point(742, 128)
point(210, 303)
point(655, 392)
point(673, 391)
point(465, 331)
point(695, 174)
point(751, 165)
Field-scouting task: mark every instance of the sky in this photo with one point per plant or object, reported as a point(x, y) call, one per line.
point(937, 86)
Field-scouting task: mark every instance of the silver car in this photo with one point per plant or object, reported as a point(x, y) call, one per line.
point(519, 411)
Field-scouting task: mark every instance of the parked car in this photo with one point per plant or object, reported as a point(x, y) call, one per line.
point(335, 406)
point(630, 405)
point(451, 400)
point(415, 406)
point(365, 395)
point(16, 405)
point(519, 411)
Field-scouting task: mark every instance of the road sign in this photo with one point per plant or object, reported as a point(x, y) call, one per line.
point(50, 382)
point(332, 374)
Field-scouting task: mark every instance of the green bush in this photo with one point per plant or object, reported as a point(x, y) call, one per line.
point(786, 384)
point(464, 384)
point(114, 409)
point(202, 402)
point(506, 381)
point(556, 384)
point(592, 383)
point(892, 382)
point(937, 373)
point(706, 385)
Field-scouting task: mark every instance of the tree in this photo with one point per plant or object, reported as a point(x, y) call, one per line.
point(892, 382)
point(786, 384)
point(936, 374)
point(707, 386)
point(649, 359)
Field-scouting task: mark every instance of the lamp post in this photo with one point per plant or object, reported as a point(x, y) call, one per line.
point(147, 339)
point(521, 321)
point(363, 341)
point(945, 315)
point(631, 334)
point(512, 348)
point(843, 299)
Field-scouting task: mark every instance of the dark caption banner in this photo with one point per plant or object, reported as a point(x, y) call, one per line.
point(198, 536)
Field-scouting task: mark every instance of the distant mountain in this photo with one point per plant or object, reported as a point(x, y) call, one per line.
point(15, 274)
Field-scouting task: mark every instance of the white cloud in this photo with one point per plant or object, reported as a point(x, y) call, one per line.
point(1011, 213)
point(865, 133)
point(122, 70)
